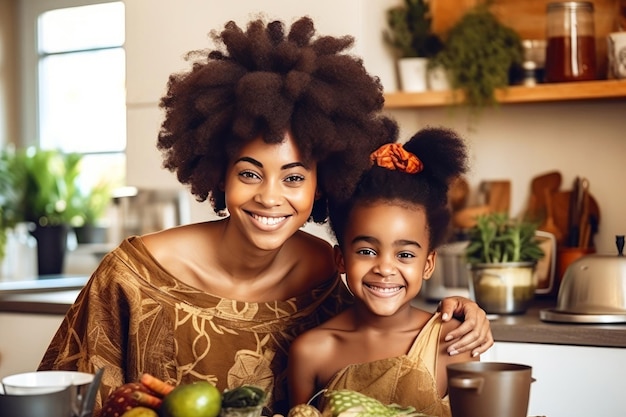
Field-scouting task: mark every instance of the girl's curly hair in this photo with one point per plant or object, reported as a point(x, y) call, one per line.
point(444, 157)
point(265, 82)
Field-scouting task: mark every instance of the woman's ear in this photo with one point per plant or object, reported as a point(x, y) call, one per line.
point(339, 260)
point(429, 267)
point(318, 193)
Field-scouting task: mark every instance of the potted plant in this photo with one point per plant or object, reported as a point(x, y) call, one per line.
point(46, 181)
point(502, 254)
point(409, 34)
point(90, 227)
point(479, 53)
point(8, 198)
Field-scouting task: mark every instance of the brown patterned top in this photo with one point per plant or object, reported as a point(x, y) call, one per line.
point(133, 317)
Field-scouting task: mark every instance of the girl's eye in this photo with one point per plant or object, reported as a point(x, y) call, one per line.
point(406, 255)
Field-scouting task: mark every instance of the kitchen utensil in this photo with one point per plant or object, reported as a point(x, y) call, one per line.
point(537, 205)
point(51, 404)
point(86, 408)
point(458, 192)
point(584, 226)
point(548, 224)
point(489, 389)
point(560, 206)
point(545, 269)
point(450, 276)
point(503, 288)
point(45, 382)
point(573, 215)
point(42, 382)
point(593, 290)
point(497, 195)
point(466, 217)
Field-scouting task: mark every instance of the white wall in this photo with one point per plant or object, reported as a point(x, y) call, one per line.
point(513, 142)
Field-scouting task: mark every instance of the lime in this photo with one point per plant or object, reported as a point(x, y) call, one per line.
point(198, 399)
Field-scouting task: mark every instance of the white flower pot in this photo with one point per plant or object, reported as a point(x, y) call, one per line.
point(412, 73)
point(438, 79)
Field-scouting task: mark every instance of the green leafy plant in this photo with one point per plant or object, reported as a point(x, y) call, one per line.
point(46, 181)
point(93, 203)
point(496, 238)
point(9, 213)
point(479, 53)
point(409, 31)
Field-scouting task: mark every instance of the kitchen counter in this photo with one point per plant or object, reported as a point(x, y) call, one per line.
point(50, 295)
point(55, 295)
point(528, 328)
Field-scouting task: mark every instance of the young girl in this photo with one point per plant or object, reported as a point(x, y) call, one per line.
point(388, 233)
point(268, 126)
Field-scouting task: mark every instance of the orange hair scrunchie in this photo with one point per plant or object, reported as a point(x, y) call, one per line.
point(393, 156)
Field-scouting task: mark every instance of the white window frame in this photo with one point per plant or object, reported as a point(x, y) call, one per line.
point(28, 13)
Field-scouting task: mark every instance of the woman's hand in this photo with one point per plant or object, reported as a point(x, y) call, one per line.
point(474, 333)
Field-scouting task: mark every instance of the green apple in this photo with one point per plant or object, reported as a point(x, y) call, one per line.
point(198, 399)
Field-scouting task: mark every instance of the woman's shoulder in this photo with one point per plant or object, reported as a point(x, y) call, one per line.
point(313, 257)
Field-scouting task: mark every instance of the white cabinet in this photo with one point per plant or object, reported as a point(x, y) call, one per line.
point(571, 381)
point(23, 340)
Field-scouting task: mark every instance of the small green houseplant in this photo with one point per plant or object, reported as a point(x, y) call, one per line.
point(409, 35)
point(496, 238)
point(46, 181)
point(9, 215)
point(409, 30)
point(479, 53)
point(93, 203)
point(502, 254)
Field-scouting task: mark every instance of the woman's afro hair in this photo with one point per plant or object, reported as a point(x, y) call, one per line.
point(264, 82)
point(444, 157)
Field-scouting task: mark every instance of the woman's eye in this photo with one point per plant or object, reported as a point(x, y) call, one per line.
point(249, 175)
point(366, 252)
point(294, 178)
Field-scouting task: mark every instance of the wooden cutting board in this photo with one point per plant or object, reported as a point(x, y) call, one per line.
point(550, 181)
point(560, 206)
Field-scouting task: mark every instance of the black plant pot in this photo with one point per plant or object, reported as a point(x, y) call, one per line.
point(91, 234)
point(51, 248)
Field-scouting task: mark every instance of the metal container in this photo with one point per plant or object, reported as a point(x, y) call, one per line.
point(593, 290)
point(503, 288)
point(489, 389)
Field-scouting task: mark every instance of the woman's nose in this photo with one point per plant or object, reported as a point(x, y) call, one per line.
point(269, 194)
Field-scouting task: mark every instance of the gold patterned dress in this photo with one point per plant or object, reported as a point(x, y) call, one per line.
point(407, 380)
point(132, 317)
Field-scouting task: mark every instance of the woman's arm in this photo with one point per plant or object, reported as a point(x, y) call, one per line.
point(474, 333)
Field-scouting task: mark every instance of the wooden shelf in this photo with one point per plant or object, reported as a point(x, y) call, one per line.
point(584, 90)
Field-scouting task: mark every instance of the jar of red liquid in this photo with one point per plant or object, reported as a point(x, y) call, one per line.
point(571, 48)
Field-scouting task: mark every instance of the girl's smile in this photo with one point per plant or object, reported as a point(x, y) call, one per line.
point(386, 255)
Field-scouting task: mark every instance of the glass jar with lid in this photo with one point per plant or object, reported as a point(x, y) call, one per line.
point(571, 42)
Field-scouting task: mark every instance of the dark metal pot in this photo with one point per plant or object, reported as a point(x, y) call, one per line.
point(489, 389)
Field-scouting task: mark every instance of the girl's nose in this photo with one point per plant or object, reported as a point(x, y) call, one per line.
point(385, 267)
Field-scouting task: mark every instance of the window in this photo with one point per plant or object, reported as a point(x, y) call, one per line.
point(81, 91)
